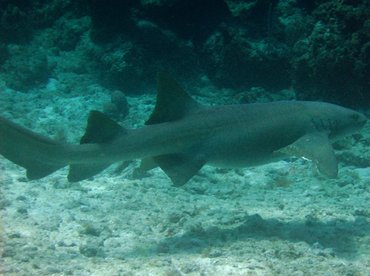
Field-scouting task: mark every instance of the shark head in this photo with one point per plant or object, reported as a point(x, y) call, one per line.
point(337, 121)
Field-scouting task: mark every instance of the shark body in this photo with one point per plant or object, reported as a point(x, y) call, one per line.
point(181, 136)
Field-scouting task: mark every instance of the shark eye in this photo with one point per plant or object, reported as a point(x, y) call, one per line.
point(333, 124)
point(355, 117)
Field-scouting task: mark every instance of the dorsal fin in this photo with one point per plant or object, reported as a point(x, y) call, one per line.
point(100, 129)
point(172, 101)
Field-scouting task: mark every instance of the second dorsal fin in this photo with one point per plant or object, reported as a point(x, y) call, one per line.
point(100, 129)
point(172, 101)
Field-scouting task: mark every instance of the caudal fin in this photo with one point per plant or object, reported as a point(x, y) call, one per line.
point(36, 153)
point(41, 156)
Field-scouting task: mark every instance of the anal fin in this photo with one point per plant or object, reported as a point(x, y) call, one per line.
point(83, 171)
point(146, 165)
point(39, 170)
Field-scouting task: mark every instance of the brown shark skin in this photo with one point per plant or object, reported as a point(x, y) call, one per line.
point(230, 135)
point(181, 136)
point(225, 136)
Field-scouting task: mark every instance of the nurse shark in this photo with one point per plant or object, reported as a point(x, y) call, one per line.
point(182, 135)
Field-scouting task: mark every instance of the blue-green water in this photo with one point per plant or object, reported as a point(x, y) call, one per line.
point(61, 59)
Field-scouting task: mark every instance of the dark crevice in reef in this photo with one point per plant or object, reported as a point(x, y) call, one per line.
point(321, 49)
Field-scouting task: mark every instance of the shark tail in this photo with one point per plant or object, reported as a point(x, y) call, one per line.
point(41, 156)
point(36, 153)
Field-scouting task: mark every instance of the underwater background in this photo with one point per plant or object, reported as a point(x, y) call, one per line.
point(59, 59)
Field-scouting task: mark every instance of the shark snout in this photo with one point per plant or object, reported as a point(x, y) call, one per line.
point(361, 119)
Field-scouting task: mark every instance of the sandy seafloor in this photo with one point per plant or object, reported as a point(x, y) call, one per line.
point(278, 219)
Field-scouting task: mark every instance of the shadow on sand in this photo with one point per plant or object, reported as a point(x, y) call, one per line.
point(339, 235)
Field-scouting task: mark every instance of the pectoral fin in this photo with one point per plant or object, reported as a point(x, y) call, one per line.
point(316, 147)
